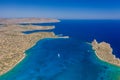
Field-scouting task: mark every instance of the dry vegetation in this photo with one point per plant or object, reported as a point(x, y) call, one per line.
point(26, 20)
point(104, 51)
point(13, 43)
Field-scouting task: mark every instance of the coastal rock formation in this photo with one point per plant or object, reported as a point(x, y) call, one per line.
point(13, 43)
point(104, 51)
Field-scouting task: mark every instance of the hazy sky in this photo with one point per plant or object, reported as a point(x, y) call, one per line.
point(79, 9)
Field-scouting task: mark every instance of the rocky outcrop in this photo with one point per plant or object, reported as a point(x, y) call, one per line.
point(104, 51)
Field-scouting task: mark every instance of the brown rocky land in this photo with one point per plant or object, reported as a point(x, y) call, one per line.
point(104, 51)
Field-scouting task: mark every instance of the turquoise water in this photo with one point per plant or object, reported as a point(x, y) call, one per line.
point(76, 61)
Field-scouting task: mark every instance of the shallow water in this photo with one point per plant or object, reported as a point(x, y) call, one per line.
point(76, 60)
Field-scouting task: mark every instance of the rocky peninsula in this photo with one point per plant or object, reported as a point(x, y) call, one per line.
point(13, 43)
point(104, 51)
point(26, 20)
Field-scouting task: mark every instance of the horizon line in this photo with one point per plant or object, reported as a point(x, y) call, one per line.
point(62, 18)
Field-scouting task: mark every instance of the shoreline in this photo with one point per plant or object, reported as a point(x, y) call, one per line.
point(14, 65)
point(106, 61)
point(14, 43)
point(22, 58)
point(103, 51)
point(24, 55)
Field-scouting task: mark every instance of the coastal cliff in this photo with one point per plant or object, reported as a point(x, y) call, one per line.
point(104, 51)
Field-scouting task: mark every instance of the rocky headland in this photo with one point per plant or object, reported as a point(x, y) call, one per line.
point(104, 52)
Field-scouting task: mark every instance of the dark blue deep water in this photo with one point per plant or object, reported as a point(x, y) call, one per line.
point(76, 60)
point(87, 30)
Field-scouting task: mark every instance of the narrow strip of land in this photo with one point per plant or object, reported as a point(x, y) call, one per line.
point(26, 20)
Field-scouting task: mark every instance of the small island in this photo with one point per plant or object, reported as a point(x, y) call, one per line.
point(13, 43)
point(104, 51)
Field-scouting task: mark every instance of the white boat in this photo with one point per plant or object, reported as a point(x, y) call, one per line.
point(58, 55)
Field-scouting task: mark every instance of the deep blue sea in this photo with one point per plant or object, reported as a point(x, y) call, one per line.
point(76, 59)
